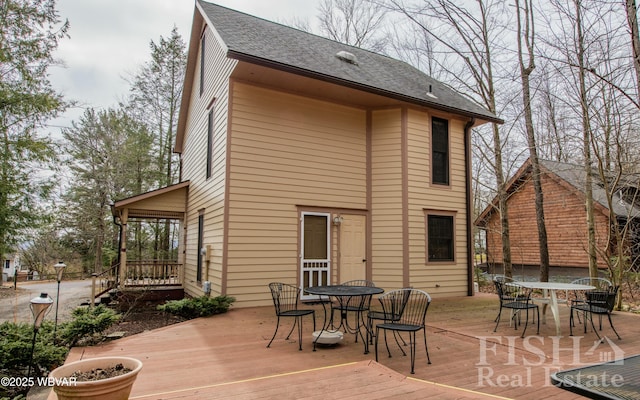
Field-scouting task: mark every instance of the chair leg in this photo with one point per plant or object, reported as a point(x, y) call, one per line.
point(526, 323)
point(538, 319)
point(498, 318)
point(292, 328)
point(592, 326)
point(299, 332)
point(571, 321)
point(274, 333)
point(412, 344)
point(376, 344)
point(612, 327)
point(386, 343)
point(424, 331)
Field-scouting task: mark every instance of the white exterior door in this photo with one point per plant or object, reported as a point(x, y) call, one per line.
point(352, 248)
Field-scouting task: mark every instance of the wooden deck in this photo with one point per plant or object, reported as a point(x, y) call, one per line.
point(224, 357)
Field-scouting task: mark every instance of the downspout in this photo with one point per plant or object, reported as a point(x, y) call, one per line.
point(469, 204)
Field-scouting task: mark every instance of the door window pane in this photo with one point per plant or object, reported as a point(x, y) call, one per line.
point(315, 237)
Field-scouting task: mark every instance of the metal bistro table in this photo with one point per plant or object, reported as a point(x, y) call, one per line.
point(549, 292)
point(343, 294)
point(618, 379)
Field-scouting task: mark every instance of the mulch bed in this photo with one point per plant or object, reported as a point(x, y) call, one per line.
point(141, 320)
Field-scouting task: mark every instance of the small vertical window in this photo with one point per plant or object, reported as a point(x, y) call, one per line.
point(202, 46)
point(440, 151)
point(200, 256)
point(440, 238)
point(209, 162)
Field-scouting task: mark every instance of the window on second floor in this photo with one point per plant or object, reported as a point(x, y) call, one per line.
point(202, 46)
point(209, 162)
point(439, 151)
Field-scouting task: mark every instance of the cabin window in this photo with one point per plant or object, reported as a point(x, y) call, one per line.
point(440, 151)
point(440, 237)
point(202, 46)
point(200, 255)
point(209, 163)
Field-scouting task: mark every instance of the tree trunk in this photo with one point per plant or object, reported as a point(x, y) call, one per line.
point(586, 143)
point(632, 20)
point(528, 32)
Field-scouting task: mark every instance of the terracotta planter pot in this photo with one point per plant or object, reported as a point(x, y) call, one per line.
point(116, 388)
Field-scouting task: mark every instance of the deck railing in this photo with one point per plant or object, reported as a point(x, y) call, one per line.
point(153, 273)
point(138, 273)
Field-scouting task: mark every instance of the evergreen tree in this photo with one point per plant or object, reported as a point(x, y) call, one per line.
point(29, 33)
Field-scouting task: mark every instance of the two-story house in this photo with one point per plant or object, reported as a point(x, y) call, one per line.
point(308, 161)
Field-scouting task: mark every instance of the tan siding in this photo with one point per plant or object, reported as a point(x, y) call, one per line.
point(439, 279)
point(286, 151)
point(204, 193)
point(386, 202)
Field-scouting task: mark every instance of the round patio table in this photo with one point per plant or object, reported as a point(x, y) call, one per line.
point(549, 295)
point(343, 294)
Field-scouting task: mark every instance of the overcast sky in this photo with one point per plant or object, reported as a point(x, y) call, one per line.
point(109, 41)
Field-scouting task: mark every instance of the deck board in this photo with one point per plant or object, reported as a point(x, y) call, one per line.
point(225, 356)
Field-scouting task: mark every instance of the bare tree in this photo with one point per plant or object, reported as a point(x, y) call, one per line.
point(354, 22)
point(632, 21)
point(526, 34)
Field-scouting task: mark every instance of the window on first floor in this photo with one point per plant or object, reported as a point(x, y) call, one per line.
point(200, 256)
point(440, 237)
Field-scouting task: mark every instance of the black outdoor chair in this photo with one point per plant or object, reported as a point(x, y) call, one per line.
point(380, 315)
point(597, 302)
point(356, 304)
point(285, 300)
point(517, 299)
point(414, 304)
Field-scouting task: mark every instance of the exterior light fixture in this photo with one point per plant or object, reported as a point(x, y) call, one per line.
point(39, 307)
point(59, 267)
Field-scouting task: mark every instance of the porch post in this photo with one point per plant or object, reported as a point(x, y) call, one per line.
point(124, 215)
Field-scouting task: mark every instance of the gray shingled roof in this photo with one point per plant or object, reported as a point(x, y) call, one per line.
point(575, 175)
point(253, 39)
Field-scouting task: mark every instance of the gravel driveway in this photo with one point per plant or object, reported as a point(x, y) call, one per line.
point(14, 304)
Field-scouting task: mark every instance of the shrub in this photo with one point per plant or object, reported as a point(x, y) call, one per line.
point(15, 347)
point(87, 323)
point(49, 352)
point(202, 306)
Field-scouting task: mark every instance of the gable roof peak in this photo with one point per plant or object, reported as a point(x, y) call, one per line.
point(259, 41)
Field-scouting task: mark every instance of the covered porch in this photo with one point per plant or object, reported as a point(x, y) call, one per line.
point(150, 259)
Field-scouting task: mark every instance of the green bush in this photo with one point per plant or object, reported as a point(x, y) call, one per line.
point(49, 352)
point(202, 306)
point(87, 323)
point(15, 347)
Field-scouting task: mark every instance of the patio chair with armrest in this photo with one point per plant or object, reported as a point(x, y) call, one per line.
point(597, 302)
point(518, 300)
point(579, 295)
point(414, 307)
point(285, 300)
point(381, 315)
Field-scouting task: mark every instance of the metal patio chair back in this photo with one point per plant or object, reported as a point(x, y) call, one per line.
point(518, 299)
point(408, 310)
point(285, 300)
point(597, 302)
